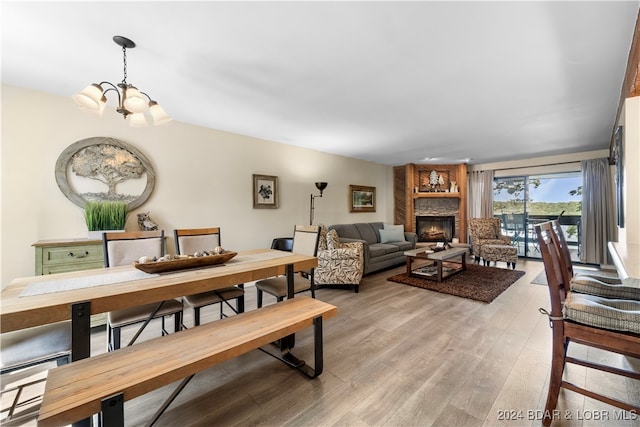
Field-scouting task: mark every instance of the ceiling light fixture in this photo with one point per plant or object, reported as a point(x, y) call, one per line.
point(132, 103)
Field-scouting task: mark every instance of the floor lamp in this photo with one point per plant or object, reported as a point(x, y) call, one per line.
point(320, 186)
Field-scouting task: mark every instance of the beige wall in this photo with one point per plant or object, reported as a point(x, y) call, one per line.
point(630, 119)
point(203, 178)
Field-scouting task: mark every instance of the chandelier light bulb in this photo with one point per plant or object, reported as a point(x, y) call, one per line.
point(89, 98)
point(137, 120)
point(158, 114)
point(134, 101)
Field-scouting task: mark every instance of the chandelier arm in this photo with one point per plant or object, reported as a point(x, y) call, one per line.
point(148, 97)
point(114, 89)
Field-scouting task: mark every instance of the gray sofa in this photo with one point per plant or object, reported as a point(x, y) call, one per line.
point(377, 255)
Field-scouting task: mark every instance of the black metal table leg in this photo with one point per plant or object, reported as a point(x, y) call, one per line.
point(289, 272)
point(81, 339)
point(289, 341)
point(112, 411)
point(240, 300)
point(80, 330)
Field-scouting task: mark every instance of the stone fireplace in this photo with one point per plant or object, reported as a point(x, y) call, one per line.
point(430, 228)
point(438, 209)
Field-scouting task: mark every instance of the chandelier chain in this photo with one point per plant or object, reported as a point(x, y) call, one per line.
point(124, 60)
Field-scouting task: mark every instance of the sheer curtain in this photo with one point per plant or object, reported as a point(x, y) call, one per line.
point(598, 211)
point(480, 194)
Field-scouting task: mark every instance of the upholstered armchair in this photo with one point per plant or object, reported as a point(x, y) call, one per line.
point(339, 264)
point(485, 231)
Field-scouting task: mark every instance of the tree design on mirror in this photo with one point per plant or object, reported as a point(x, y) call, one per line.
point(102, 168)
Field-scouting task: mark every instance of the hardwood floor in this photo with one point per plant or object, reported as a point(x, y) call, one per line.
point(398, 356)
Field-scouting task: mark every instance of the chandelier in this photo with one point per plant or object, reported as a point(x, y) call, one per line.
point(134, 105)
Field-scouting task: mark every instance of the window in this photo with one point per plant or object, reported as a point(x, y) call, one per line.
point(522, 201)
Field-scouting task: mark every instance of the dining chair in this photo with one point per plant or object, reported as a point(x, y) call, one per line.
point(607, 324)
point(588, 283)
point(29, 347)
point(191, 240)
point(305, 242)
point(282, 244)
point(123, 248)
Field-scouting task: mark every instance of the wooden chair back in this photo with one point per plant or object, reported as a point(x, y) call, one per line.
point(552, 266)
point(557, 235)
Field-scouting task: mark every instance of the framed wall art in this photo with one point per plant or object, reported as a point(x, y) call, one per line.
point(362, 199)
point(265, 192)
point(104, 169)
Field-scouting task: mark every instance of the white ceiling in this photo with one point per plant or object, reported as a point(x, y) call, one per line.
point(389, 82)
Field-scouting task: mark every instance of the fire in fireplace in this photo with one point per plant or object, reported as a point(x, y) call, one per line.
point(435, 228)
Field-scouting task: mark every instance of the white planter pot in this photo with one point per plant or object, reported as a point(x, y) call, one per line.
point(97, 235)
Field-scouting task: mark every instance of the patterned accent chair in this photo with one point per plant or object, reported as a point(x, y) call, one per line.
point(339, 264)
point(485, 231)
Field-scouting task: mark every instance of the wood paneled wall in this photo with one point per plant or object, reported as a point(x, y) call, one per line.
point(408, 187)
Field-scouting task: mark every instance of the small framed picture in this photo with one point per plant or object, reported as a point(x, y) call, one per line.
point(362, 199)
point(265, 192)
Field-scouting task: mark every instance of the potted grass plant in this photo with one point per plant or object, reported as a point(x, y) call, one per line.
point(105, 216)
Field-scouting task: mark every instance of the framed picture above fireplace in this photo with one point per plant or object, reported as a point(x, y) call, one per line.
point(362, 199)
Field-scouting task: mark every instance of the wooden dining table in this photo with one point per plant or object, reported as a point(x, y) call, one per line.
point(24, 307)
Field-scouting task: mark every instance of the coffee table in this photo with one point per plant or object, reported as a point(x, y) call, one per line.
point(441, 265)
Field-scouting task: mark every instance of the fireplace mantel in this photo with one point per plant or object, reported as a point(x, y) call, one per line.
point(436, 195)
point(407, 195)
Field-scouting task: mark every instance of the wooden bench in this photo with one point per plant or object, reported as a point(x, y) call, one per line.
point(101, 384)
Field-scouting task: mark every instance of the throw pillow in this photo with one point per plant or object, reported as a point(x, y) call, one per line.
point(394, 227)
point(322, 240)
point(387, 236)
point(333, 240)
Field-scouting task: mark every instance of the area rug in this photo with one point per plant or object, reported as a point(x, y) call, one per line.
point(477, 282)
point(541, 279)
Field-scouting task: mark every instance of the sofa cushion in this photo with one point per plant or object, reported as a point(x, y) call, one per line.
point(367, 232)
point(404, 246)
point(386, 248)
point(393, 227)
point(348, 231)
point(377, 249)
point(387, 236)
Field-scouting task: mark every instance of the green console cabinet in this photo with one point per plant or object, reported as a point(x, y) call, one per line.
point(59, 256)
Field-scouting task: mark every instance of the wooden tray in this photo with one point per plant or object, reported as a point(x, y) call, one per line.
point(184, 263)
